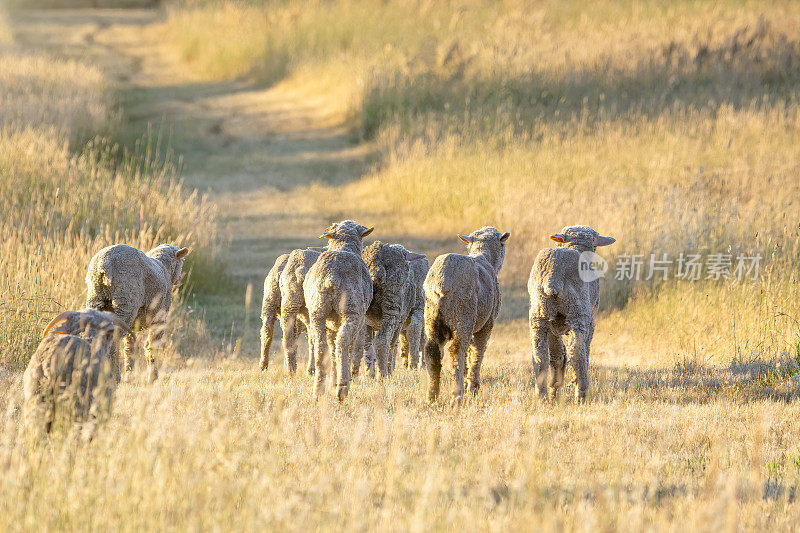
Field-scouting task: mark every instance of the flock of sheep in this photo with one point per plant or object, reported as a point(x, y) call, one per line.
point(352, 302)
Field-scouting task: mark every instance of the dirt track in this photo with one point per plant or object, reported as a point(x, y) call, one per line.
point(248, 146)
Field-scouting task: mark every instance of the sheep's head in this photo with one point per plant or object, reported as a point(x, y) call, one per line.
point(489, 242)
point(172, 256)
point(581, 238)
point(346, 235)
point(89, 323)
point(388, 263)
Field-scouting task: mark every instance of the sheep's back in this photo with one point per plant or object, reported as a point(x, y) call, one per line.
point(336, 277)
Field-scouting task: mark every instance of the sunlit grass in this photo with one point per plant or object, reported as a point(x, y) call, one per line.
point(672, 126)
point(65, 193)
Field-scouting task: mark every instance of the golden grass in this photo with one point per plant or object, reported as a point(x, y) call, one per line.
point(61, 206)
point(671, 126)
point(525, 117)
point(229, 447)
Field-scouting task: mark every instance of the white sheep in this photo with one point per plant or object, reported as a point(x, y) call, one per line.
point(293, 310)
point(412, 338)
point(338, 291)
point(137, 287)
point(270, 307)
point(562, 302)
point(70, 372)
point(462, 300)
point(393, 299)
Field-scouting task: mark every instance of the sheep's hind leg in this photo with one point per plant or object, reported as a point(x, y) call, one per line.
point(267, 330)
point(154, 341)
point(322, 351)
point(458, 353)
point(310, 369)
point(410, 341)
point(476, 351)
point(346, 343)
point(541, 355)
point(433, 360)
point(290, 336)
point(576, 350)
point(558, 360)
point(358, 351)
point(125, 313)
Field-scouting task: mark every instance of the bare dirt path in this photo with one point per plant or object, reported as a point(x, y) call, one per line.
point(247, 146)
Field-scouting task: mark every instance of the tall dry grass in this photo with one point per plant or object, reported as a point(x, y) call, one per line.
point(65, 193)
point(230, 447)
point(672, 126)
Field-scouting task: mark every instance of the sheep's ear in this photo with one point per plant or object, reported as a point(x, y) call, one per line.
point(367, 232)
point(413, 256)
point(326, 235)
point(505, 236)
point(57, 322)
point(467, 239)
point(604, 241)
point(183, 252)
point(559, 237)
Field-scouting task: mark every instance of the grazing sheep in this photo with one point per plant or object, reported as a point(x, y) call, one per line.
point(294, 313)
point(338, 291)
point(270, 307)
point(462, 300)
point(393, 294)
point(70, 370)
point(137, 287)
point(561, 303)
point(412, 338)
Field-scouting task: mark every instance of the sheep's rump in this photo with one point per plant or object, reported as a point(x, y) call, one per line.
point(550, 270)
point(113, 266)
point(65, 376)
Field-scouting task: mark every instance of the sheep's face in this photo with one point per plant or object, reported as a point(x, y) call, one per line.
point(581, 238)
point(87, 323)
point(346, 234)
point(490, 242)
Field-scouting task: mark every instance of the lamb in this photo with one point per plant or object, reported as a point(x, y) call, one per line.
point(393, 296)
point(338, 291)
point(462, 300)
point(564, 299)
point(71, 371)
point(412, 339)
point(294, 313)
point(137, 287)
point(270, 307)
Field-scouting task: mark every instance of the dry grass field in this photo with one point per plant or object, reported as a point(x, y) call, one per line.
point(243, 128)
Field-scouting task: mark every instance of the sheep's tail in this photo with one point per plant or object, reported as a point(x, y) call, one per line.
point(553, 283)
point(100, 288)
point(103, 278)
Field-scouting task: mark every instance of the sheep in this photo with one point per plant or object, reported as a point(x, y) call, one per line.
point(270, 307)
point(338, 291)
point(137, 287)
point(71, 371)
point(562, 302)
point(412, 339)
point(462, 300)
point(294, 313)
point(393, 294)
